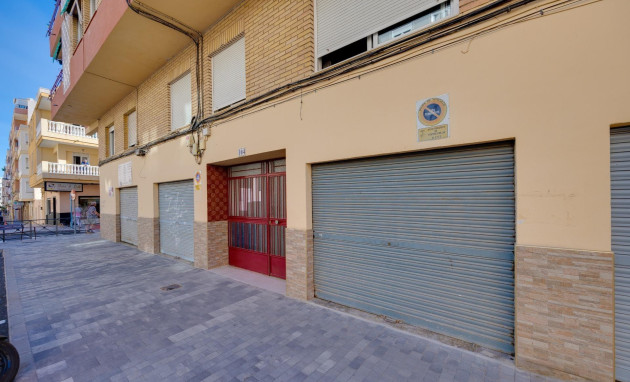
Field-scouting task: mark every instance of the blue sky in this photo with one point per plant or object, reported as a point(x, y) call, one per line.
point(27, 65)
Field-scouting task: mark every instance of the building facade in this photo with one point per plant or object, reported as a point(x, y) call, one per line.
point(427, 161)
point(19, 194)
point(65, 158)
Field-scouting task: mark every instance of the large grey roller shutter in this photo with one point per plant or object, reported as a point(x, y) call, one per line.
point(176, 219)
point(129, 215)
point(620, 193)
point(426, 238)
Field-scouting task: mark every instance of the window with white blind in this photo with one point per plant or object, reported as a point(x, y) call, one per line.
point(110, 141)
point(351, 27)
point(181, 104)
point(228, 75)
point(132, 128)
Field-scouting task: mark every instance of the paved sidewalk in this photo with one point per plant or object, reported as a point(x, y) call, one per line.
point(84, 309)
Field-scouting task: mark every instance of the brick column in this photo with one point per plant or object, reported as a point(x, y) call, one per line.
point(565, 312)
point(299, 252)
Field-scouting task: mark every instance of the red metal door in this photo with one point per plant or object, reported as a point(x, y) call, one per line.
point(257, 217)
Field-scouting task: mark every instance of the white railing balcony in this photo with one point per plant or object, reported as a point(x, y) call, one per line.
point(72, 169)
point(67, 169)
point(63, 128)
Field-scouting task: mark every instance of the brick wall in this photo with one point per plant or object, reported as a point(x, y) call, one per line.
point(279, 41)
point(115, 116)
point(564, 312)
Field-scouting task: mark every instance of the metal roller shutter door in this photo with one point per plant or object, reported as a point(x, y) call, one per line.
point(425, 238)
point(176, 219)
point(129, 215)
point(620, 194)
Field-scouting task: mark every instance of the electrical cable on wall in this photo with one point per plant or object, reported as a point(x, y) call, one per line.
point(427, 36)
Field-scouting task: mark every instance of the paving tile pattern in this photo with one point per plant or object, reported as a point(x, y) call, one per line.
point(85, 309)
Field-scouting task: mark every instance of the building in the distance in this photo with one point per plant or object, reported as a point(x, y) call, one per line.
point(64, 158)
point(459, 165)
point(18, 165)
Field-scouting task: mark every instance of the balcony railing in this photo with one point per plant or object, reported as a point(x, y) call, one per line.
point(54, 16)
point(63, 128)
point(55, 86)
point(71, 169)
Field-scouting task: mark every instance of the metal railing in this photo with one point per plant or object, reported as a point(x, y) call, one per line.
point(54, 16)
point(55, 86)
point(42, 227)
point(72, 169)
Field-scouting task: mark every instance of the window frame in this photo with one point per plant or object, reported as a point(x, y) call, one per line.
point(111, 141)
point(170, 96)
point(371, 40)
point(213, 57)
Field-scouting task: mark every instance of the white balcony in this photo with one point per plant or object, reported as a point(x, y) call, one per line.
point(66, 169)
point(64, 130)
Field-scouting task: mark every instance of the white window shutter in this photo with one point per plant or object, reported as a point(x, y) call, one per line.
point(228, 75)
point(340, 23)
point(132, 128)
point(66, 50)
point(181, 105)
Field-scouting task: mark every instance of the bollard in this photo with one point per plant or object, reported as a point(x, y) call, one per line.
point(56, 227)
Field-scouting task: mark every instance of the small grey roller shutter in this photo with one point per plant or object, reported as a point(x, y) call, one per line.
point(620, 202)
point(427, 238)
point(340, 23)
point(176, 219)
point(129, 215)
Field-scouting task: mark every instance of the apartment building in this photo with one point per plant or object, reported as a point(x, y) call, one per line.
point(461, 165)
point(64, 158)
point(19, 194)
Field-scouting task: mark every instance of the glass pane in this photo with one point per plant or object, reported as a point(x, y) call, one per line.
point(246, 170)
point(248, 236)
point(277, 199)
point(278, 165)
point(276, 238)
point(248, 197)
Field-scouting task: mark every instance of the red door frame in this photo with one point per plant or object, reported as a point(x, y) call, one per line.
point(265, 263)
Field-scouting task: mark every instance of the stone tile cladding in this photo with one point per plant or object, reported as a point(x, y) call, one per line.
point(564, 312)
point(149, 235)
point(211, 244)
point(217, 244)
point(217, 193)
point(200, 245)
point(110, 227)
point(299, 252)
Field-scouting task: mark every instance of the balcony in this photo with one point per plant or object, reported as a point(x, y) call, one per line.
point(64, 172)
point(52, 133)
point(120, 49)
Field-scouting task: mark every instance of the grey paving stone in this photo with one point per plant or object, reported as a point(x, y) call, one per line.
point(89, 310)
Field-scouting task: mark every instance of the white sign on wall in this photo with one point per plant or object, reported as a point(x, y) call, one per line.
point(433, 118)
point(124, 174)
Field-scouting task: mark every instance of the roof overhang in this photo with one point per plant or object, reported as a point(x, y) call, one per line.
point(121, 49)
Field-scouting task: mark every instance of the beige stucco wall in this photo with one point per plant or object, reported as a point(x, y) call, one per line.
point(550, 84)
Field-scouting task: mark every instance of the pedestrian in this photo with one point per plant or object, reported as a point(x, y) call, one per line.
point(85, 162)
point(92, 216)
point(78, 213)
